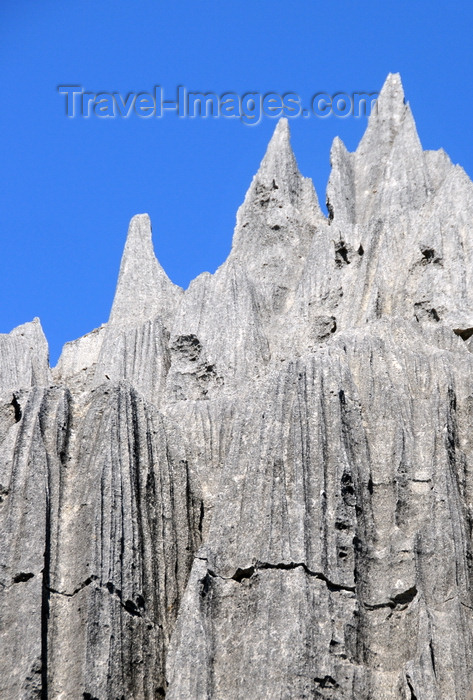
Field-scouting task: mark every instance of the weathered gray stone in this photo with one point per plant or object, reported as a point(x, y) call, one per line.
point(78, 361)
point(24, 358)
point(262, 486)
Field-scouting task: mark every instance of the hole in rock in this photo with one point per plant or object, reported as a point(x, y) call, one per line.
point(464, 333)
point(241, 574)
point(16, 408)
point(405, 597)
point(342, 525)
point(326, 682)
point(22, 577)
point(205, 584)
point(329, 209)
point(430, 256)
point(357, 544)
point(187, 346)
point(131, 608)
point(347, 489)
point(341, 254)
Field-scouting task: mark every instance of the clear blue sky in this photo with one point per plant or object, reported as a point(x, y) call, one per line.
point(70, 186)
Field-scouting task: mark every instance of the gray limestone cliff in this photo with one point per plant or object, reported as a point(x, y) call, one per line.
point(260, 487)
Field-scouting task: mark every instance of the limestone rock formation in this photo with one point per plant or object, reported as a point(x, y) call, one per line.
point(260, 487)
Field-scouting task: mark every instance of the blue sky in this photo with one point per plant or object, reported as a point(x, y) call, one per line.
point(70, 186)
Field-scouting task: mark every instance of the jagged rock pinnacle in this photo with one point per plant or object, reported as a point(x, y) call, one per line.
point(279, 163)
point(276, 223)
point(385, 120)
point(144, 290)
point(388, 172)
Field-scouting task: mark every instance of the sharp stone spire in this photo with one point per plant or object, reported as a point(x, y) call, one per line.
point(386, 118)
point(143, 290)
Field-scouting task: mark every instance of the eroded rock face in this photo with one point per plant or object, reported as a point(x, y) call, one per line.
point(260, 487)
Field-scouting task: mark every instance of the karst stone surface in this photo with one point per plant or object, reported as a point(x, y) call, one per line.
point(260, 487)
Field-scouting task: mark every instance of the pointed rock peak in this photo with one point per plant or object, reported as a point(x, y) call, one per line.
point(341, 185)
point(139, 232)
point(281, 133)
point(138, 250)
point(391, 99)
point(278, 183)
point(338, 151)
point(279, 162)
point(386, 118)
point(278, 191)
point(144, 290)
